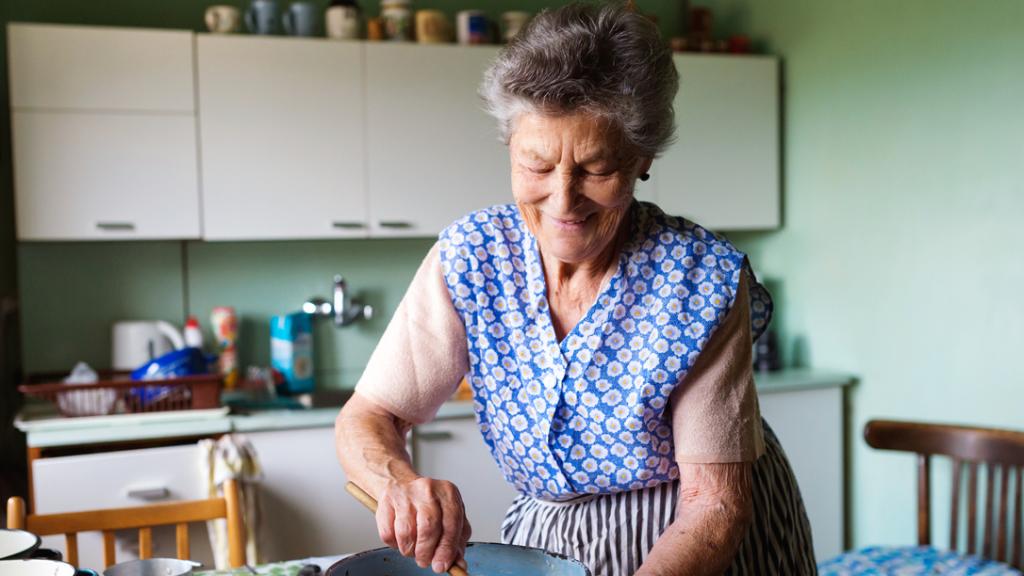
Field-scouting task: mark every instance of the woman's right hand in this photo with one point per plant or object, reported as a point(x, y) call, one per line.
point(424, 519)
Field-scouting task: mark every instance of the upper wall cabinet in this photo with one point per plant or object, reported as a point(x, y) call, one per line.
point(282, 131)
point(104, 136)
point(434, 154)
point(723, 170)
point(86, 68)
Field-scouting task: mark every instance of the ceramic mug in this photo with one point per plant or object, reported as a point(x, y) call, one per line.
point(512, 22)
point(223, 19)
point(343, 22)
point(261, 17)
point(432, 27)
point(300, 19)
point(472, 27)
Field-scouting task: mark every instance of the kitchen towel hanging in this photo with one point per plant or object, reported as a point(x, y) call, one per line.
point(233, 456)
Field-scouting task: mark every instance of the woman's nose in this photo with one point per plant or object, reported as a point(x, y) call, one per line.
point(565, 192)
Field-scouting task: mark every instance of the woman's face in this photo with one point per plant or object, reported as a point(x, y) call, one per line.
point(572, 178)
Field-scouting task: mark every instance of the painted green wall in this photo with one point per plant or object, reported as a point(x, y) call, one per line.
point(898, 261)
point(900, 256)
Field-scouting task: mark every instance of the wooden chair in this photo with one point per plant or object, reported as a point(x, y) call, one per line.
point(1001, 452)
point(144, 518)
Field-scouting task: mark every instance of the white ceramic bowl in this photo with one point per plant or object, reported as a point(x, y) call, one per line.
point(14, 543)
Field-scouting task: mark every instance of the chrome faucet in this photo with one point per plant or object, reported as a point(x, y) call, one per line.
point(345, 309)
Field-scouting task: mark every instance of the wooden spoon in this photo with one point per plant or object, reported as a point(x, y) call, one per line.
point(371, 504)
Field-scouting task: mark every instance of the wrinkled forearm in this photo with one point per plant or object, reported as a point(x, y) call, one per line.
point(370, 443)
point(715, 510)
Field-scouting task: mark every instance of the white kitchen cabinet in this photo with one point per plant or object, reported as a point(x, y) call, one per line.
point(121, 479)
point(85, 176)
point(306, 510)
point(454, 450)
point(103, 133)
point(433, 153)
point(282, 131)
point(100, 69)
point(806, 411)
point(723, 170)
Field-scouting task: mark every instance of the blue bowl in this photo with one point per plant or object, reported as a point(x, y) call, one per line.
point(174, 364)
point(484, 559)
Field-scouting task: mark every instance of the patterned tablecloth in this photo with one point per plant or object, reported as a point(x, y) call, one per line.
point(911, 561)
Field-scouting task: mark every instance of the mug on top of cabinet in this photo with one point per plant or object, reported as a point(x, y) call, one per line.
point(432, 27)
point(343, 22)
point(262, 17)
point(222, 19)
point(299, 19)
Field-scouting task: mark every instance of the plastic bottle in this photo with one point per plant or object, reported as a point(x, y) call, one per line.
point(193, 334)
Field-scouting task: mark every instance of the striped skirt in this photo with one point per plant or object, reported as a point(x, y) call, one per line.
point(613, 533)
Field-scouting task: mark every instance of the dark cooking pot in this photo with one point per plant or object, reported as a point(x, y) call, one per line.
point(484, 559)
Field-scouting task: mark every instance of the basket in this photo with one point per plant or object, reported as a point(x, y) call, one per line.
point(116, 394)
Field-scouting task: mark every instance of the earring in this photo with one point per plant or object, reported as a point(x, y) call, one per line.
point(645, 177)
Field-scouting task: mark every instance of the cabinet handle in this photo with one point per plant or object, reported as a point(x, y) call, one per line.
point(396, 224)
point(116, 226)
point(434, 436)
point(149, 493)
point(344, 225)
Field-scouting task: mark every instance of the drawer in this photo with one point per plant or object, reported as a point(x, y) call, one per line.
point(117, 479)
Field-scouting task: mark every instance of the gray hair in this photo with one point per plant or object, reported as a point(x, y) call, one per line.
point(604, 60)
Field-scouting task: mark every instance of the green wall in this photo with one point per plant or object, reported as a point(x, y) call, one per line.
point(900, 256)
point(898, 260)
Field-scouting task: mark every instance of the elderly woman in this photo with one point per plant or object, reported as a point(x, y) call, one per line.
point(607, 344)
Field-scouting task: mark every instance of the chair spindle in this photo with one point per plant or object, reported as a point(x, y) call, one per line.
point(145, 543)
point(1018, 525)
point(71, 542)
point(109, 548)
point(924, 524)
point(954, 509)
point(182, 540)
point(1004, 497)
point(972, 508)
point(990, 483)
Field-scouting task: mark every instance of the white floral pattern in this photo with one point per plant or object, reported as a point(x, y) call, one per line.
point(587, 414)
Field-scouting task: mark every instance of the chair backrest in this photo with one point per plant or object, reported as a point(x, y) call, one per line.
point(999, 452)
point(143, 518)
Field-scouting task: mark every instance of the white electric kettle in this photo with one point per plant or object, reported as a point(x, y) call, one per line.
point(136, 342)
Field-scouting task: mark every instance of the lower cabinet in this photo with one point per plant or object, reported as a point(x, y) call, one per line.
point(809, 425)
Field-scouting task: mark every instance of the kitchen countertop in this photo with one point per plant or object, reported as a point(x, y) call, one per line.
point(55, 431)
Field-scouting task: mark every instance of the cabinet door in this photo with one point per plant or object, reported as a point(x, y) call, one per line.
point(454, 450)
point(88, 176)
point(434, 154)
point(306, 510)
point(89, 68)
point(281, 125)
point(723, 171)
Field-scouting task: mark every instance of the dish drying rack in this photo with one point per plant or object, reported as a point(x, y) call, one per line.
point(115, 393)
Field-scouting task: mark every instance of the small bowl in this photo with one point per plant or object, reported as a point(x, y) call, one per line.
point(481, 557)
point(17, 544)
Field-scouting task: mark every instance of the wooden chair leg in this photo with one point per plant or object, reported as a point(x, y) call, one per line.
point(145, 543)
point(972, 508)
point(182, 541)
point(954, 509)
point(71, 540)
point(1004, 497)
point(109, 549)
